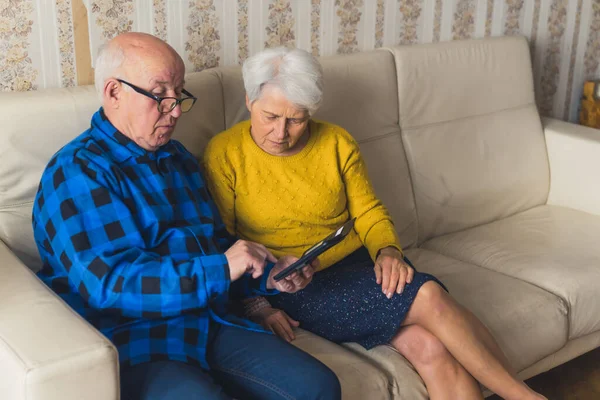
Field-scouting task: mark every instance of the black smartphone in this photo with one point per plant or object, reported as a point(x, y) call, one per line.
point(309, 255)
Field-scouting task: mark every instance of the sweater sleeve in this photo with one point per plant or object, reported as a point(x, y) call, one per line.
point(373, 222)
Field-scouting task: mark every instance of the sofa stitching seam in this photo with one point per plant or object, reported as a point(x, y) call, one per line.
point(405, 128)
point(73, 355)
point(7, 206)
point(382, 136)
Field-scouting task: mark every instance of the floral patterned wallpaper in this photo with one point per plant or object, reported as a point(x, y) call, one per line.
point(204, 41)
point(37, 47)
point(16, 68)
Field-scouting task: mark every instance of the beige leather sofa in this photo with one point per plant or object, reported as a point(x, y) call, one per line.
point(500, 205)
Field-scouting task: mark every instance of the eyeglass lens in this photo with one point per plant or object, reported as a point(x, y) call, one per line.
point(167, 105)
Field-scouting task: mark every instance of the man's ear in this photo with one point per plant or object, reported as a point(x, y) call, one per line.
point(113, 89)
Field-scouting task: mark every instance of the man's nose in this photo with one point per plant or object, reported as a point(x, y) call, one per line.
point(176, 112)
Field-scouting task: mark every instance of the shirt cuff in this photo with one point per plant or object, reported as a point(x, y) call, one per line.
point(262, 289)
point(216, 275)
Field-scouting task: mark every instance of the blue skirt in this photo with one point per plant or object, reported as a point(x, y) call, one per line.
point(344, 303)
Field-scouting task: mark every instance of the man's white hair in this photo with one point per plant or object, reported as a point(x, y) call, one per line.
point(295, 72)
point(110, 59)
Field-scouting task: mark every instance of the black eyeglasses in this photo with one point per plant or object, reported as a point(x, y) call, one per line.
point(166, 104)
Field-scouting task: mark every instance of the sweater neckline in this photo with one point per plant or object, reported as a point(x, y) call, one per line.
point(312, 132)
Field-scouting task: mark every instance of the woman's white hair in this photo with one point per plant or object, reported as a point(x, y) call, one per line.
point(110, 58)
point(295, 72)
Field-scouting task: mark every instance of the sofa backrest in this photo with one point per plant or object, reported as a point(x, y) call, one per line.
point(471, 131)
point(360, 96)
point(34, 126)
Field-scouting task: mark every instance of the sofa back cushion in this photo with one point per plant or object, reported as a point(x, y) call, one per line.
point(360, 96)
point(471, 130)
point(35, 125)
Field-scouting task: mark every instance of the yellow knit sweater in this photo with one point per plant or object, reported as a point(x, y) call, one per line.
point(288, 203)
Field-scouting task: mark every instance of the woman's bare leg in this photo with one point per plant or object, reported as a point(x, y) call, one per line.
point(444, 377)
point(468, 340)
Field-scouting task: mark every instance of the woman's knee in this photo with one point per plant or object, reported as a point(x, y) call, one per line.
point(432, 301)
point(420, 347)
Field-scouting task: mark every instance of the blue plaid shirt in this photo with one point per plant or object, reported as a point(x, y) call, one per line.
point(132, 241)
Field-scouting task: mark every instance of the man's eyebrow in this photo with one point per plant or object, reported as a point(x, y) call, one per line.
point(166, 82)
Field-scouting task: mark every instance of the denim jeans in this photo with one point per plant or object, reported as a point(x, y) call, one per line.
point(244, 365)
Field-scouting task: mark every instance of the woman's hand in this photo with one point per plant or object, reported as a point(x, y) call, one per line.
point(391, 272)
point(294, 282)
point(277, 321)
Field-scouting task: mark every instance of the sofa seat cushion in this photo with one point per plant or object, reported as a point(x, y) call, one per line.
point(528, 322)
point(551, 247)
point(377, 374)
point(404, 381)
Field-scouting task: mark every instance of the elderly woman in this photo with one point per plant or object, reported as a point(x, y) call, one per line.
point(285, 180)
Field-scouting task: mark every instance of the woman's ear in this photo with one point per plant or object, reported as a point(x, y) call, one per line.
point(112, 93)
point(248, 104)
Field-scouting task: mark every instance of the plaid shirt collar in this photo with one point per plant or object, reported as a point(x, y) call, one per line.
point(119, 146)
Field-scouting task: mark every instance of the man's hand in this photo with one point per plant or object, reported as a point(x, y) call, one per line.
point(247, 257)
point(277, 321)
point(294, 282)
point(391, 272)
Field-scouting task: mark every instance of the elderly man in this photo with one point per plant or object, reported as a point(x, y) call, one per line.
point(131, 240)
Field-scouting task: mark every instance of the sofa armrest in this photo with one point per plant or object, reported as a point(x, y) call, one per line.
point(47, 351)
point(574, 156)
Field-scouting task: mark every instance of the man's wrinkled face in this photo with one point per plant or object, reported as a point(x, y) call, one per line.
point(144, 123)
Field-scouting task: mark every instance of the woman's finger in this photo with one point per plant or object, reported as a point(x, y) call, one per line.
point(410, 275)
point(285, 329)
point(316, 263)
point(267, 325)
point(285, 286)
point(291, 321)
point(283, 319)
point(278, 330)
point(308, 272)
point(401, 278)
point(394, 277)
point(385, 277)
point(298, 280)
point(377, 269)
